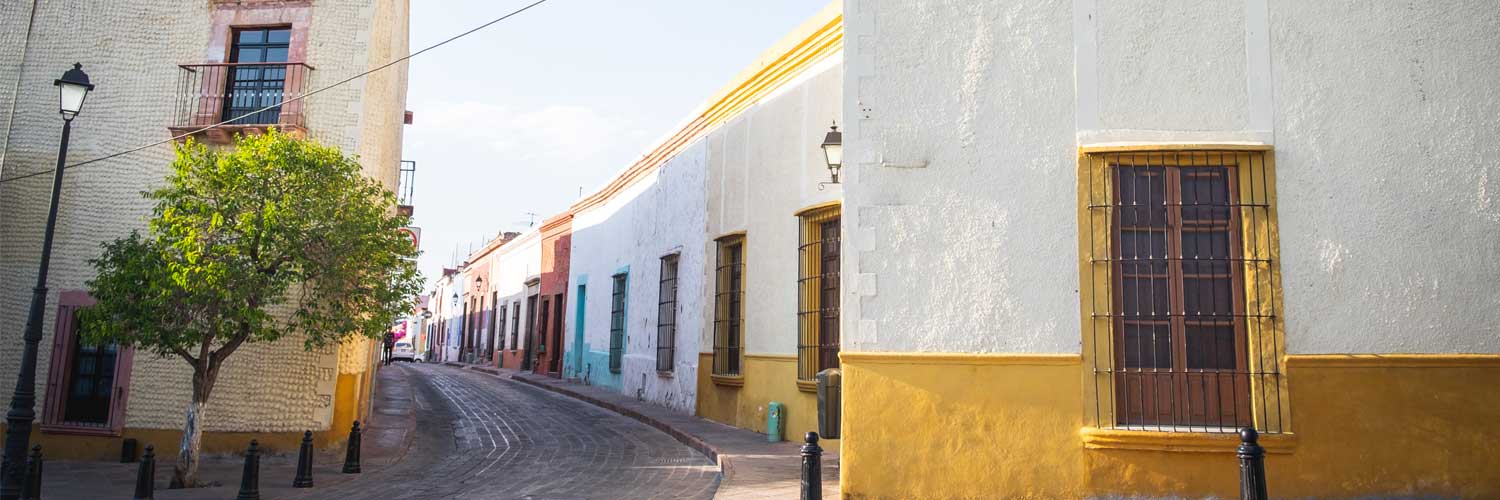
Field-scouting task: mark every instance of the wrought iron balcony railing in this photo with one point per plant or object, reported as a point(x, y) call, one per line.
point(247, 95)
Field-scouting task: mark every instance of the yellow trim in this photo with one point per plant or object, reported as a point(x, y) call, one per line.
point(958, 358)
point(810, 282)
point(772, 357)
point(1393, 360)
point(806, 385)
point(728, 380)
point(1186, 442)
point(1208, 146)
point(729, 235)
point(1260, 237)
point(816, 40)
point(805, 211)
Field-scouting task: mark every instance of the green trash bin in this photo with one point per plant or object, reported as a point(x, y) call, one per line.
point(775, 421)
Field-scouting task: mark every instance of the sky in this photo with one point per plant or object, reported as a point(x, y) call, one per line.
point(520, 116)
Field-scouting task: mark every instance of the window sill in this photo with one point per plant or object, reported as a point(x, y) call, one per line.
point(665, 374)
point(728, 380)
point(79, 430)
point(1179, 442)
point(805, 385)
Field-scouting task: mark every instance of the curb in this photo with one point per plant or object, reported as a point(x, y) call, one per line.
point(726, 469)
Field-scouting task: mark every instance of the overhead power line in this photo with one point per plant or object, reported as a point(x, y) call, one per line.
point(278, 104)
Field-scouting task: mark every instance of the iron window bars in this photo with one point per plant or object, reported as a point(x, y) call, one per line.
point(500, 331)
point(818, 293)
point(617, 323)
point(729, 295)
point(515, 325)
point(666, 315)
point(1181, 290)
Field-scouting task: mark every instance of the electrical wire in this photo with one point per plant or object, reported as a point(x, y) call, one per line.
point(294, 99)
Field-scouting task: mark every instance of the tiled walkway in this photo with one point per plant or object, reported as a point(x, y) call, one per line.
point(752, 467)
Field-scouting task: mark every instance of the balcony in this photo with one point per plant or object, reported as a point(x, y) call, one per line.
point(252, 96)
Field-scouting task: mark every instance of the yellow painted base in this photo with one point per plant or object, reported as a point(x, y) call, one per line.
point(1012, 426)
point(76, 447)
point(765, 378)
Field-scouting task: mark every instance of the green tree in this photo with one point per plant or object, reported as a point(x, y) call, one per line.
point(277, 237)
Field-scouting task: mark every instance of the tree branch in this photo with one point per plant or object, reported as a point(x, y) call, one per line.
point(184, 354)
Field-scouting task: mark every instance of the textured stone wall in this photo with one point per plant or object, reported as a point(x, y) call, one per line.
point(967, 116)
point(134, 65)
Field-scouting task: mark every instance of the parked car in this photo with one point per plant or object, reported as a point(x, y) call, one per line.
point(403, 351)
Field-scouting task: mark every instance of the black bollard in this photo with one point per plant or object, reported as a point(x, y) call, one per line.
point(145, 476)
point(304, 463)
point(351, 457)
point(812, 468)
point(31, 485)
point(250, 480)
point(1252, 467)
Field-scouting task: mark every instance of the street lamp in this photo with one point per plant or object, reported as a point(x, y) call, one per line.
point(73, 88)
point(833, 154)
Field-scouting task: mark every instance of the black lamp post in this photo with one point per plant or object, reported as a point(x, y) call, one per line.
point(833, 154)
point(73, 87)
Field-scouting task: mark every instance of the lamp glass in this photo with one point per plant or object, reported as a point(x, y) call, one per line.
point(834, 154)
point(70, 97)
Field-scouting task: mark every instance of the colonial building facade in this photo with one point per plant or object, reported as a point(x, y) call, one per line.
point(204, 62)
point(1090, 240)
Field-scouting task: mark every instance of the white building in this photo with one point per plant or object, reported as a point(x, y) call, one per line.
point(644, 243)
point(1090, 239)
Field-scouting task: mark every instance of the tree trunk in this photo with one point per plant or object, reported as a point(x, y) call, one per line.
point(185, 474)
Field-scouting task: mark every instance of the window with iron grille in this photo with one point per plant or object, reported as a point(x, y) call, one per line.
point(729, 296)
point(500, 332)
point(666, 315)
point(258, 78)
point(1182, 327)
point(617, 323)
point(515, 325)
point(818, 293)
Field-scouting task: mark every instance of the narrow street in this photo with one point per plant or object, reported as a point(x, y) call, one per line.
point(478, 437)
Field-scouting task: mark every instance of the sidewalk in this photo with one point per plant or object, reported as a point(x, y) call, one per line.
point(386, 437)
point(751, 467)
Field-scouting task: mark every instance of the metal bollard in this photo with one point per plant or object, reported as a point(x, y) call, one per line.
point(304, 463)
point(351, 456)
point(145, 476)
point(31, 485)
point(250, 480)
point(812, 468)
point(1252, 467)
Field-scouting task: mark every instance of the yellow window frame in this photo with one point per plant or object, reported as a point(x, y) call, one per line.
point(1254, 168)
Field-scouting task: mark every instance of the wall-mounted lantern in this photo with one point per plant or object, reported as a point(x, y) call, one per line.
point(833, 154)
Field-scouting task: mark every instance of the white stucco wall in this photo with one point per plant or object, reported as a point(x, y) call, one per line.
point(763, 167)
point(966, 120)
point(659, 215)
point(514, 263)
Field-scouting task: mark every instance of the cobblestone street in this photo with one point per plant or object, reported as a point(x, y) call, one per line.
point(478, 437)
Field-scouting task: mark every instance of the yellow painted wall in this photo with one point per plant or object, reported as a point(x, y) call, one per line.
point(75, 447)
point(1011, 426)
point(767, 378)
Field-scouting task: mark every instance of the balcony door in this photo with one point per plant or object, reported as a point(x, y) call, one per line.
point(257, 76)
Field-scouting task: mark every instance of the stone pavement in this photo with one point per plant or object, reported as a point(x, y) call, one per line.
point(439, 432)
point(386, 437)
point(479, 439)
point(752, 467)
